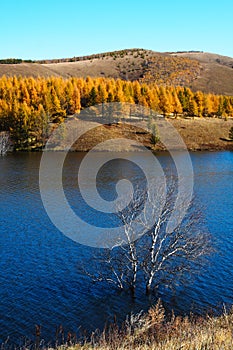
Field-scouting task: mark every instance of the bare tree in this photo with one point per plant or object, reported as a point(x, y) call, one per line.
point(4, 143)
point(152, 248)
point(170, 254)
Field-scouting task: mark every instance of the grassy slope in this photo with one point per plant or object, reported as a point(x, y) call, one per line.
point(217, 73)
point(198, 134)
point(152, 332)
point(204, 134)
point(209, 72)
point(26, 69)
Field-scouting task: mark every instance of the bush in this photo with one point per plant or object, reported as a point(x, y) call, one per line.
point(231, 133)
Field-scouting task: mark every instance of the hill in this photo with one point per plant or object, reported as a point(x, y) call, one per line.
point(26, 70)
point(29, 108)
point(216, 75)
point(200, 134)
point(197, 70)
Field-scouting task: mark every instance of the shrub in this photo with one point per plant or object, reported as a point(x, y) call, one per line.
point(231, 133)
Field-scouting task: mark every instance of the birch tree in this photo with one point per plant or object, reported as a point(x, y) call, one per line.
point(153, 255)
point(4, 143)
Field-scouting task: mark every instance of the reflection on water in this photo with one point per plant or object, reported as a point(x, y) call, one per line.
point(41, 275)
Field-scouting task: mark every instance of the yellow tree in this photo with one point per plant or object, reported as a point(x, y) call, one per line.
point(153, 98)
point(102, 94)
point(227, 106)
point(143, 96)
point(128, 91)
point(4, 116)
point(198, 96)
point(31, 87)
point(215, 104)
point(136, 92)
point(24, 94)
point(67, 102)
point(75, 101)
point(207, 106)
point(85, 92)
point(164, 104)
point(40, 127)
point(175, 103)
point(119, 94)
point(20, 125)
point(192, 108)
point(56, 113)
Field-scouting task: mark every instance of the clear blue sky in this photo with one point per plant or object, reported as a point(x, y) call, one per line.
point(56, 29)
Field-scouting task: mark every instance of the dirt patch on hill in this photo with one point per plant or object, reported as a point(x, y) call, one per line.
point(205, 134)
point(197, 134)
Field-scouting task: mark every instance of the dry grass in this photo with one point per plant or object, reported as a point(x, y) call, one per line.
point(205, 133)
point(217, 73)
point(214, 78)
point(208, 72)
point(26, 69)
point(152, 331)
point(129, 68)
point(199, 135)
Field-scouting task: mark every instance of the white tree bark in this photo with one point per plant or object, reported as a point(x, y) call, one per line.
point(4, 143)
point(159, 254)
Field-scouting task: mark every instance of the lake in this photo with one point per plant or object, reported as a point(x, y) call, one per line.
point(41, 270)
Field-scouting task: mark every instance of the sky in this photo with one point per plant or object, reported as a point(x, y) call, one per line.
point(58, 29)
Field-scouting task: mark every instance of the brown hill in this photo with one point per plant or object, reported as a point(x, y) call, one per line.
point(200, 134)
point(216, 75)
point(26, 70)
point(197, 70)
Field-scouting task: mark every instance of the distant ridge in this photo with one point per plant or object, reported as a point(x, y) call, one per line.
point(195, 69)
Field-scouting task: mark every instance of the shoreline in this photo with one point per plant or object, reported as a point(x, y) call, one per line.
point(197, 135)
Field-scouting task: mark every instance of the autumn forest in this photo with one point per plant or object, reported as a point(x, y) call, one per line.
point(29, 106)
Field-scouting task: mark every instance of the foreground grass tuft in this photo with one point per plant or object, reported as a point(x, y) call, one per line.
point(152, 332)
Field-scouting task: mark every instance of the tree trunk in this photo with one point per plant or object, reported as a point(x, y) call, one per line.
point(149, 283)
point(132, 290)
point(148, 289)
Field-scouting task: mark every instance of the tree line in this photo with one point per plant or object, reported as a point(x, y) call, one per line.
point(29, 106)
point(14, 61)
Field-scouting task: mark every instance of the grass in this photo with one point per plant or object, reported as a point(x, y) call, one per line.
point(204, 133)
point(199, 134)
point(216, 75)
point(199, 71)
point(151, 331)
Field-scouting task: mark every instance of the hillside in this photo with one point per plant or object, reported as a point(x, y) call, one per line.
point(216, 75)
point(199, 135)
point(26, 69)
point(29, 108)
point(197, 70)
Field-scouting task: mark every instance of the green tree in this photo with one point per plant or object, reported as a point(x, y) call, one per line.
point(154, 134)
point(231, 133)
point(192, 108)
point(20, 129)
point(92, 97)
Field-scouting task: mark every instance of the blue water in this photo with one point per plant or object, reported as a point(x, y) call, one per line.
point(41, 270)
